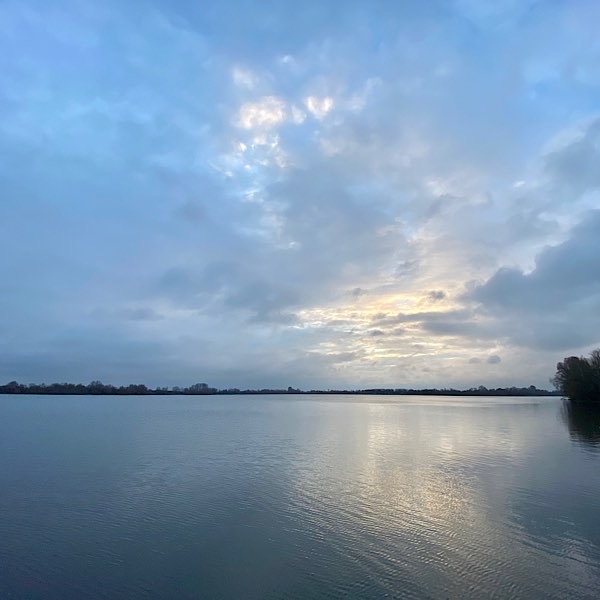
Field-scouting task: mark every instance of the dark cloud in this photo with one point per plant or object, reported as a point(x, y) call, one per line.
point(453, 327)
point(563, 275)
point(376, 332)
point(436, 295)
point(557, 304)
point(357, 292)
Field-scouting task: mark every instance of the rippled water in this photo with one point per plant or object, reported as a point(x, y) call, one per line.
point(298, 497)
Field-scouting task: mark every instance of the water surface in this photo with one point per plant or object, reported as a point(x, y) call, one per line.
point(297, 497)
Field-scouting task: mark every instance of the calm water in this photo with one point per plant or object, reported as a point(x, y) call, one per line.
point(297, 497)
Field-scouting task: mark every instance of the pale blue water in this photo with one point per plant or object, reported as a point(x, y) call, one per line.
point(297, 497)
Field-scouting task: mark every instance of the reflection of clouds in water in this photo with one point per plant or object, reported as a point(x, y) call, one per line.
point(296, 497)
point(438, 491)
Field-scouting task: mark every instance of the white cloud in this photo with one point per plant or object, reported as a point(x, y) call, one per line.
point(319, 107)
point(266, 113)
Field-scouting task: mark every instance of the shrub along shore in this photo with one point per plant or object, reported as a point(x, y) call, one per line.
point(578, 378)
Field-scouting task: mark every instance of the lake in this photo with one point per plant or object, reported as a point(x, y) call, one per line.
point(297, 497)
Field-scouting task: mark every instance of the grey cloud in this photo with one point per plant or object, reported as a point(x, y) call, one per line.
point(376, 332)
point(576, 166)
point(493, 359)
point(329, 237)
point(266, 301)
point(572, 330)
point(385, 320)
point(526, 224)
point(436, 295)
point(325, 216)
point(340, 322)
point(459, 322)
point(452, 327)
point(335, 357)
point(228, 285)
point(562, 275)
point(406, 268)
point(357, 292)
point(430, 317)
point(555, 306)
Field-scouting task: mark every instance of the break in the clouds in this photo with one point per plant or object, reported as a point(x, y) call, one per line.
point(316, 194)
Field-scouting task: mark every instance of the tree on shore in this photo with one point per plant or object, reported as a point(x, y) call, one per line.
point(578, 378)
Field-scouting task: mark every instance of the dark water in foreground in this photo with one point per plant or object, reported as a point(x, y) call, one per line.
point(297, 497)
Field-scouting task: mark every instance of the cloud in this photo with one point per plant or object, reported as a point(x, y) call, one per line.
point(357, 292)
point(557, 304)
point(574, 166)
point(376, 332)
point(319, 107)
point(275, 188)
point(244, 78)
point(428, 317)
point(266, 113)
point(436, 295)
point(563, 274)
point(335, 357)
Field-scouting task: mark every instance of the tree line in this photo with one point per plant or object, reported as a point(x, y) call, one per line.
point(97, 388)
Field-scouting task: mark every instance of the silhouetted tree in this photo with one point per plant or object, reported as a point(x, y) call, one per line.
point(578, 378)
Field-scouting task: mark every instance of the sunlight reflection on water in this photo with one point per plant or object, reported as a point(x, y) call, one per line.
point(295, 497)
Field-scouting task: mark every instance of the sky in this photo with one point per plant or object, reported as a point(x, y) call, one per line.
point(318, 194)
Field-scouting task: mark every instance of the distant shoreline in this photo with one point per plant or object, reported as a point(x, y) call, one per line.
point(97, 388)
